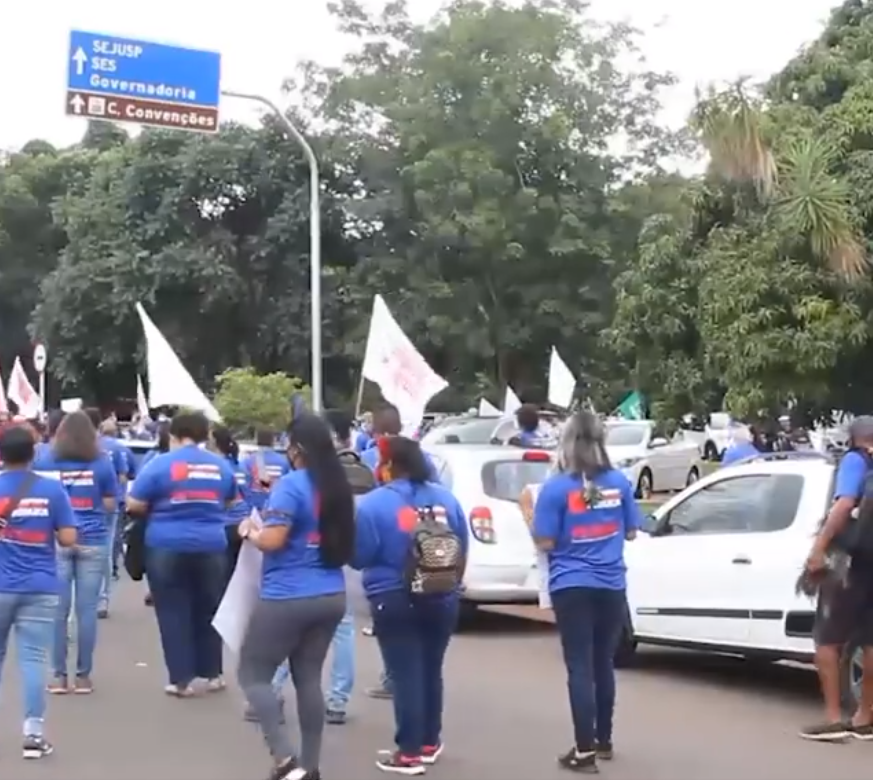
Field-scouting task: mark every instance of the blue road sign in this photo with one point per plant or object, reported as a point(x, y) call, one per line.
point(136, 71)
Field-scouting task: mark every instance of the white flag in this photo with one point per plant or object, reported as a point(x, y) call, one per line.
point(392, 362)
point(142, 404)
point(487, 409)
point(511, 402)
point(169, 383)
point(562, 383)
point(21, 391)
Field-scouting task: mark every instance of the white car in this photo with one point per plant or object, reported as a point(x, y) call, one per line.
point(649, 461)
point(488, 480)
point(717, 568)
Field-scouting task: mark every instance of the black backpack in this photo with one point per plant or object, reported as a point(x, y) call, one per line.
point(435, 562)
point(856, 539)
point(361, 477)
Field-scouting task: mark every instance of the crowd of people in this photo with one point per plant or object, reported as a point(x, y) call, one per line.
point(375, 505)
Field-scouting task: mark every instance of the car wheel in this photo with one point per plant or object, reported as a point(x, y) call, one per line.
point(851, 671)
point(644, 485)
point(710, 452)
point(693, 476)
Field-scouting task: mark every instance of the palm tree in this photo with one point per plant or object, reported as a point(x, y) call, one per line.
point(799, 186)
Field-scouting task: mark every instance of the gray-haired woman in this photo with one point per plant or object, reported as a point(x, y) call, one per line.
point(582, 517)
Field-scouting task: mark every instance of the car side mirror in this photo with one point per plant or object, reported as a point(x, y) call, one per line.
point(658, 441)
point(452, 439)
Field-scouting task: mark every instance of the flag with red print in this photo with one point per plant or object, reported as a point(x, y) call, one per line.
point(21, 391)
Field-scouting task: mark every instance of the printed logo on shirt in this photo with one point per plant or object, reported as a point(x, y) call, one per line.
point(608, 498)
point(79, 479)
point(180, 471)
point(49, 474)
point(407, 517)
point(594, 532)
point(27, 507)
point(313, 539)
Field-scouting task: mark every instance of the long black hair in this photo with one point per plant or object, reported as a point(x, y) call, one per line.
point(225, 443)
point(406, 458)
point(311, 437)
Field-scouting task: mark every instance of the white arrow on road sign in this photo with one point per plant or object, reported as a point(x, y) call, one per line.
point(77, 103)
point(39, 358)
point(80, 58)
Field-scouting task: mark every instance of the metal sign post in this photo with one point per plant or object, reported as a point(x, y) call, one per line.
point(314, 242)
point(40, 358)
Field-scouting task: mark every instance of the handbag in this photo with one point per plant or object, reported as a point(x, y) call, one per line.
point(133, 536)
point(8, 507)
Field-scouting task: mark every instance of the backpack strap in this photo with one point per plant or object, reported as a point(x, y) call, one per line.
point(23, 489)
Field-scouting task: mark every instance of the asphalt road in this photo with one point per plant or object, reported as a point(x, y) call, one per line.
point(680, 716)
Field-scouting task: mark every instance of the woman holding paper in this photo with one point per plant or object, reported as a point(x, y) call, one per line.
point(307, 536)
point(582, 518)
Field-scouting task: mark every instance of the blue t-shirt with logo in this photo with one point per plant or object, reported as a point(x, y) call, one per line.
point(386, 517)
point(296, 571)
point(27, 543)
point(115, 451)
point(239, 510)
point(188, 491)
point(87, 483)
point(273, 465)
point(587, 521)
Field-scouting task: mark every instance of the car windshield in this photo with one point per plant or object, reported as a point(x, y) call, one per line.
point(505, 479)
point(625, 435)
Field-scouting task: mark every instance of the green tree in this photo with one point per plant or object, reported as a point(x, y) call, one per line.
point(212, 235)
point(247, 400)
point(480, 142)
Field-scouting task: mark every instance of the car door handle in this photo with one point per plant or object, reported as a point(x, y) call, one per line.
point(743, 560)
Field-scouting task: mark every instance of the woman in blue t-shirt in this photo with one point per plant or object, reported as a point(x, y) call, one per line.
point(307, 536)
point(413, 629)
point(185, 494)
point(35, 518)
point(89, 478)
point(582, 517)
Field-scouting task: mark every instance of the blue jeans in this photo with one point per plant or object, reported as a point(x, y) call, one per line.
point(187, 588)
point(80, 571)
point(32, 616)
point(590, 622)
point(413, 634)
point(342, 666)
point(112, 521)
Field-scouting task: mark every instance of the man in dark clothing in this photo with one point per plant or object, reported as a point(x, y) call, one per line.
point(845, 610)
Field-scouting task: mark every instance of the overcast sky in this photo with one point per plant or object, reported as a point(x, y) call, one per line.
point(261, 40)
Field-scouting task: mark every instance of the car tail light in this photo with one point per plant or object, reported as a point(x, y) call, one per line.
point(536, 457)
point(482, 525)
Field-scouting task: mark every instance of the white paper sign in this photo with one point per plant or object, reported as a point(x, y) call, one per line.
point(231, 621)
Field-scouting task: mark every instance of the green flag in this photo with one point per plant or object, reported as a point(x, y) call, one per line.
point(632, 407)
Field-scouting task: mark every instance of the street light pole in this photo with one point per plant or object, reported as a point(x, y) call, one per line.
point(314, 242)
